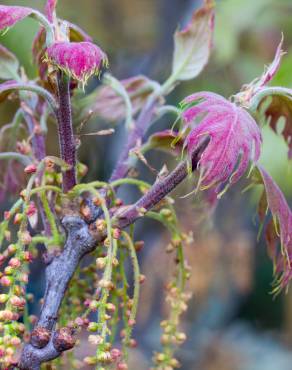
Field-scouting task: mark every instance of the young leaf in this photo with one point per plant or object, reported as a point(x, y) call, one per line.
point(272, 69)
point(279, 105)
point(281, 227)
point(273, 102)
point(167, 141)
point(76, 34)
point(248, 95)
point(192, 45)
point(235, 137)
point(8, 64)
point(10, 15)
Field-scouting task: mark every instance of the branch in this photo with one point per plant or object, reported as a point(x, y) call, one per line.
point(81, 240)
point(65, 131)
point(158, 191)
point(58, 274)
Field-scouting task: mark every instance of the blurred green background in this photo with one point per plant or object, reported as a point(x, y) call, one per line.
point(236, 326)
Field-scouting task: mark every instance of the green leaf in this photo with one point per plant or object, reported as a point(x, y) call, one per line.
point(8, 64)
point(192, 45)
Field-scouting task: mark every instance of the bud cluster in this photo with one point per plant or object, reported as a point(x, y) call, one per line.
point(13, 280)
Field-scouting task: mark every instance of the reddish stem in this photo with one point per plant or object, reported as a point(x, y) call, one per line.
point(65, 131)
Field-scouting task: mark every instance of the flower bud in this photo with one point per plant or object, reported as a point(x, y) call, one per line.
point(27, 256)
point(92, 326)
point(93, 305)
point(122, 366)
point(80, 60)
point(7, 215)
point(14, 262)
point(18, 218)
point(6, 281)
point(3, 298)
point(105, 284)
point(15, 341)
point(31, 168)
point(25, 238)
point(11, 249)
point(104, 357)
point(17, 302)
point(116, 353)
point(6, 315)
point(79, 321)
point(101, 263)
point(90, 360)
point(116, 233)
point(110, 307)
point(95, 339)
point(9, 270)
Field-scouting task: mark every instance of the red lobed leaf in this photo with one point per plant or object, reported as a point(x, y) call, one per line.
point(10, 15)
point(281, 228)
point(235, 138)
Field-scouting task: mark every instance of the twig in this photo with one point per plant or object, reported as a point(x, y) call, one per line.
point(65, 131)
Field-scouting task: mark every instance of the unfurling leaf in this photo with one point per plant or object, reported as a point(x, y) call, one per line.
point(278, 228)
point(76, 34)
point(167, 141)
point(272, 69)
point(235, 138)
point(192, 45)
point(272, 102)
point(248, 96)
point(8, 64)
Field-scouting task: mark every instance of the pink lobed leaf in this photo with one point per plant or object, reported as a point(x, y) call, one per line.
point(10, 15)
point(235, 138)
point(80, 60)
point(280, 228)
